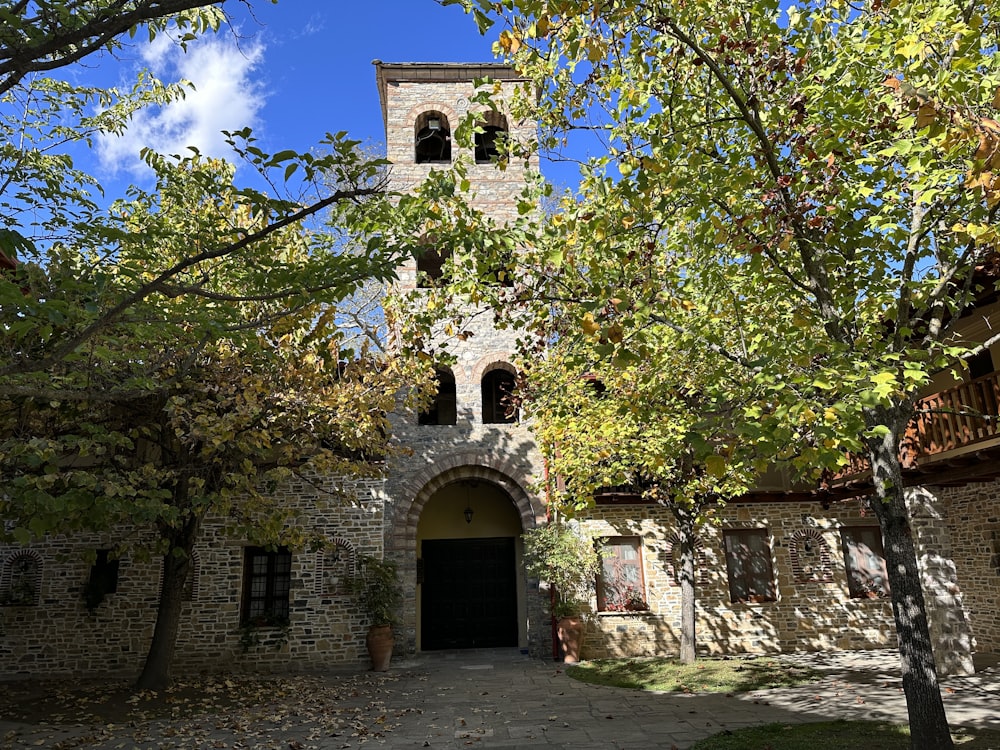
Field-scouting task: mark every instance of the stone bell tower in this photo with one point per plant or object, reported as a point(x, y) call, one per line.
point(458, 504)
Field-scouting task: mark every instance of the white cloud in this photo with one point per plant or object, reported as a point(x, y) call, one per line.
point(225, 97)
point(314, 25)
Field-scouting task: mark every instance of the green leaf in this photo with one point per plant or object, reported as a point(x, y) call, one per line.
point(716, 465)
point(878, 431)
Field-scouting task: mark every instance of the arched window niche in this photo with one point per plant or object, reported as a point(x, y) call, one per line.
point(672, 552)
point(431, 267)
point(499, 401)
point(491, 131)
point(21, 579)
point(335, 565)
point(432, 139)
point(190, 591)
point(444, 409)
point(809, 555)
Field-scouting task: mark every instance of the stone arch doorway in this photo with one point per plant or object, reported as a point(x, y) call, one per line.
point(469, 580)
point(502, 485)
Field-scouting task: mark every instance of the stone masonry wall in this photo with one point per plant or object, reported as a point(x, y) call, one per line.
point(503, 454)
point(58, 636)
point(813, 610)
point(493, 191)
point(957, 530)
point(463, 450)
point(946, 615)
point(972, 514)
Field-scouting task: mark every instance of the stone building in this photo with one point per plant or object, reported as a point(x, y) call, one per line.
point(783, 570)
point(459, 503)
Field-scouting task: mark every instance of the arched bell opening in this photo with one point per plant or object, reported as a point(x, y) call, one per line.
point(432, 139)
point(470, 581)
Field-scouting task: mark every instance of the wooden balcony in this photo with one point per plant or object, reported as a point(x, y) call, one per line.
point(622, 494)
point(957, 418)
point(953, 439)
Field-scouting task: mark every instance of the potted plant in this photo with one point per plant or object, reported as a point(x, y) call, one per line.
point(375, 584)
point(569, 562)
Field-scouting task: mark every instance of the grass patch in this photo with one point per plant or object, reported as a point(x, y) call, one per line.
point(710, 675)
point(837, 735)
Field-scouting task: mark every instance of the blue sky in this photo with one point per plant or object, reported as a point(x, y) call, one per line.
point(292, 71)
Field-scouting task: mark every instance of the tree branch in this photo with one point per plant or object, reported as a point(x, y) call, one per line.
point(818, 279)
point(64, 44)
point(100, 395)
point(160, 283)
point(712, 346)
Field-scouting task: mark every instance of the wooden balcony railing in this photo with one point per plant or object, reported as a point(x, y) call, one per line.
point(957, 417)
point(622, 494)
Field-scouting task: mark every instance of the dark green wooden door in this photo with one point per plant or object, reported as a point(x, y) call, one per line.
point(469, 594)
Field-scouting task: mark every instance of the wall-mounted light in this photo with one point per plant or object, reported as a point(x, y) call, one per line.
point(434, 123)
point(808, 547)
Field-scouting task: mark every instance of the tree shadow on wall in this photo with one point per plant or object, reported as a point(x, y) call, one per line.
point(806, 617)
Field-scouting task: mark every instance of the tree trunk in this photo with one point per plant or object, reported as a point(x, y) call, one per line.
point(176, 568)
point(686, 574)
point(928, 723)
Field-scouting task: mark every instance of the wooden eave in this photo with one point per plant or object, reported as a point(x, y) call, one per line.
point(387, 73)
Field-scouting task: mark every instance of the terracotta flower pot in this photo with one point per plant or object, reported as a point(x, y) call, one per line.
point(380, 642)
point(570, 631)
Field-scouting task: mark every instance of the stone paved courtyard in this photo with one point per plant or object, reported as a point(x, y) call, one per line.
point(490, 699)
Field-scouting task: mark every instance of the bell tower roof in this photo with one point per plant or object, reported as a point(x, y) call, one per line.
point(387, 73)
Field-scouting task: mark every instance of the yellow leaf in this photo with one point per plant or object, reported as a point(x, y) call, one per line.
point(589, 325)
point(651, 165)
point(996, 98)
point(926, 114)
point(982, 179)
point(509, 42)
